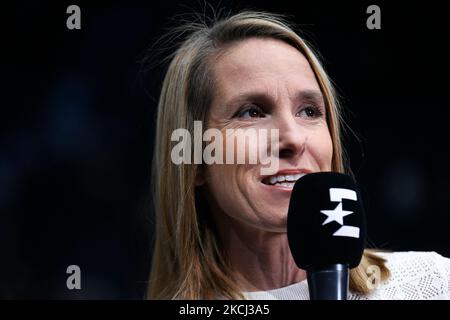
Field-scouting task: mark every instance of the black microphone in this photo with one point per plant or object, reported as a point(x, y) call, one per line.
point(326, 231)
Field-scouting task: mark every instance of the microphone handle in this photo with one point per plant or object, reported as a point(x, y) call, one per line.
point(328, 282)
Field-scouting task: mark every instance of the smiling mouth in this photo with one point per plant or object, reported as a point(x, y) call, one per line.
point(283, 180)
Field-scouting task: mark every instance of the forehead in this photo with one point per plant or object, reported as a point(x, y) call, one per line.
point(262, 64)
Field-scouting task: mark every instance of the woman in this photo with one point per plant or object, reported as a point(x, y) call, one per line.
point(221, 228)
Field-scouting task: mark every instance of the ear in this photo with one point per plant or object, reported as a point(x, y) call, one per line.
point(200, 176)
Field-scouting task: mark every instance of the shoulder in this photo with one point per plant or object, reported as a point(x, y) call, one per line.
point(414, 264)
point(415, 275)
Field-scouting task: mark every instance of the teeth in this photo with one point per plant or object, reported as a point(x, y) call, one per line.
point(273, 180)
point(287, 184)
point(289, 178)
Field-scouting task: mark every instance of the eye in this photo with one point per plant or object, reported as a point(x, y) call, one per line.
point(248, 112)
point(310, 111)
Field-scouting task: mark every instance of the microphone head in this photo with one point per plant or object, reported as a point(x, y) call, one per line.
point(326, 222)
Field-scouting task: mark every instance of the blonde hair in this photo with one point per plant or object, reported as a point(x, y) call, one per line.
point(187, 259)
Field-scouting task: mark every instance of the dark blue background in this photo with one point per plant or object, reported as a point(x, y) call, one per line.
point(77, 119)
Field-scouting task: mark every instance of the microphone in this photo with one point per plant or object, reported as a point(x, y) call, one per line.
point(326, 231)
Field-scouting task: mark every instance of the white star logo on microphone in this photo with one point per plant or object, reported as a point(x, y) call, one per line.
point(336, 215)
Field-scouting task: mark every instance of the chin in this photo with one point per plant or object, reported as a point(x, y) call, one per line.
point(275, 223)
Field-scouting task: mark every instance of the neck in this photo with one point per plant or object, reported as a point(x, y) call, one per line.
point(260, 259)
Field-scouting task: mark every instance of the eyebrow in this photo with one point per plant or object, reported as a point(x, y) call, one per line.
point(308, 95)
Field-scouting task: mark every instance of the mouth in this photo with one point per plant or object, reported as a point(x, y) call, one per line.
point(284, 179)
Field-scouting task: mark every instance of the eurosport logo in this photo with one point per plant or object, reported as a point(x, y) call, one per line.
point(338, 214)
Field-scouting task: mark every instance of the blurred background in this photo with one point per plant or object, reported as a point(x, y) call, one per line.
point(77, 123)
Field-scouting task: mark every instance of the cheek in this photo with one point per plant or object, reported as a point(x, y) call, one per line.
point(226, 190)
point(243, 146)
point(328, 152)
point(322, 148)
point(220, 181)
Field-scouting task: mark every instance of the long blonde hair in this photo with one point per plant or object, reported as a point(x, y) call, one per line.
point(188, 262)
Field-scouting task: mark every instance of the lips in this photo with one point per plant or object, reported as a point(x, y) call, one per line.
point(285, 178)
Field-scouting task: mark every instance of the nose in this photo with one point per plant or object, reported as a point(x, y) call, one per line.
point(292, 138)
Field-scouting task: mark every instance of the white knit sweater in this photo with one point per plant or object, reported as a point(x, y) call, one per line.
point(414, 276)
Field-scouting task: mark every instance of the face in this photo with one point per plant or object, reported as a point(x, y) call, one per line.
point(265, 84)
